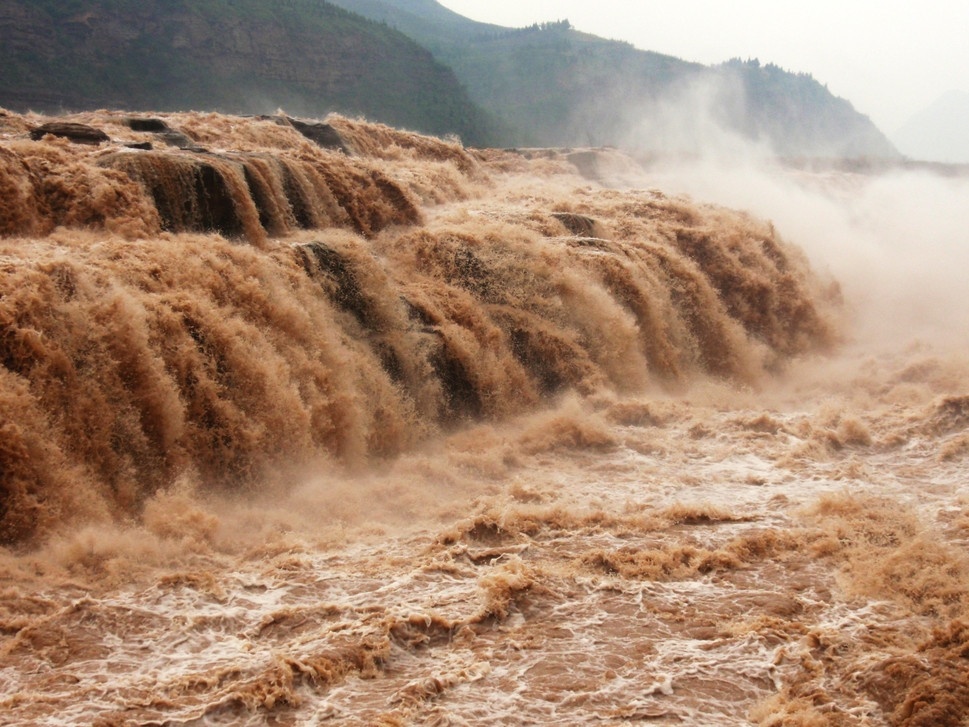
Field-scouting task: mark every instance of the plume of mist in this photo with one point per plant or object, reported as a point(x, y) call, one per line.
point(897, 241)
point(689, 123)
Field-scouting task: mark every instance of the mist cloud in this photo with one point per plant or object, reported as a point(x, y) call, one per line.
point(897, 241)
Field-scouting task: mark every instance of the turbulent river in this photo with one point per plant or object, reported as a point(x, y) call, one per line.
point(307, 424)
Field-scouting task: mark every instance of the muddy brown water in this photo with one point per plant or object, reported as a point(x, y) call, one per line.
point(440, 436)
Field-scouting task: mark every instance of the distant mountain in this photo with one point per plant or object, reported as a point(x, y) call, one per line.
point(798, 115)
point(938, 133)
point(409, 63)
point(554, 85)
point(244, 56)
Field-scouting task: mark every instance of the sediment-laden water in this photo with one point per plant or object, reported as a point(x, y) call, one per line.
point(313, 423)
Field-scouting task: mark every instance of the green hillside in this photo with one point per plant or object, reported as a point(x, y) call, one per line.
point(556, 86)
point(798, 115)
point(410, 63)
point(241, 56)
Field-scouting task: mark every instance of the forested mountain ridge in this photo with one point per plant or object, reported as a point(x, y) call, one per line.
point(413, 64)
point(554, 85)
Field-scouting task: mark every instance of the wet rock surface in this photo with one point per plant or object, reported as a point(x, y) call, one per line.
point(73, 131)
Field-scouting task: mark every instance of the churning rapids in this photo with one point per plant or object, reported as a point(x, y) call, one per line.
point(307, 423)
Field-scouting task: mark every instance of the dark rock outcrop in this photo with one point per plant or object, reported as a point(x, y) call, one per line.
point(151, 125)
point(159, 127)
point(73, 131)
point(319, 133)
point(578, 225)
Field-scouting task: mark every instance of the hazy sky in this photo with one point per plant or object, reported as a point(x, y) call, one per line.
point(890, 58)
